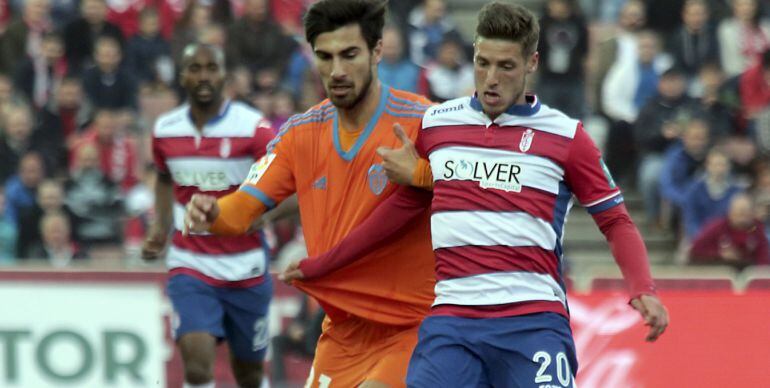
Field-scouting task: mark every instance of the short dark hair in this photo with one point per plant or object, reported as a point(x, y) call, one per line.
point(509, 22)
point(329, 15)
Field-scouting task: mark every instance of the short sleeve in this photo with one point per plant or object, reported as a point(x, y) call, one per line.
point(157, 156)
point(263, 135)
point(588, 177)
point(271, 178)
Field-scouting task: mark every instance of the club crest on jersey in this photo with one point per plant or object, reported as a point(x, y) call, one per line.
point(225, 147)
point(378, 180)
point(526, 140)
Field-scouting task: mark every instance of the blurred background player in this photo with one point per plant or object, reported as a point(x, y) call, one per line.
point(328, 156)
point(505, 169)
point(219, 286)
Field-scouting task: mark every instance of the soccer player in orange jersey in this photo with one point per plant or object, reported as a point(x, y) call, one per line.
point(328, 157)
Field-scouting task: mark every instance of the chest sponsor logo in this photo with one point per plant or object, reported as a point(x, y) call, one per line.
point(378, 180)
point(259, 168)
point(526, 140)
point(204, 180)
point(490, 175)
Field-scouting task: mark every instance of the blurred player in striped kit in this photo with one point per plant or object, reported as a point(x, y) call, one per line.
point(219, 286)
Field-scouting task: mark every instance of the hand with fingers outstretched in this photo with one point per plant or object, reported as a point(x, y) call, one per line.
point(400, 163)
point(654, 313)
point(201, 212)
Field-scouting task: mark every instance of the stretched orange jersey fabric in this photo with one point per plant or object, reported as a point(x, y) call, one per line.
point(337, 190)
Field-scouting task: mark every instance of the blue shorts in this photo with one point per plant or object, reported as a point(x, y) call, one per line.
point(527, 351)
point(238, 315)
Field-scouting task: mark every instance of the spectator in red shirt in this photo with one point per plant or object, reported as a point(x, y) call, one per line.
point(738, 240)
point(755, 87)
point(117, 152)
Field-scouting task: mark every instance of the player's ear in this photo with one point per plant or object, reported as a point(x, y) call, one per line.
point(532, 62)
point(377, 52)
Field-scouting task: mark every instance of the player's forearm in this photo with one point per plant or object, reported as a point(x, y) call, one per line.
point(164, 197)
point(237, 211)
point(383, 224)
point(628, 249)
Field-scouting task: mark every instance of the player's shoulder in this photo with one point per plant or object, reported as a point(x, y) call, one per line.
point(403, 97)
point(244, 111)
point(172, 123)
point(452, 112)
point(540, 118)
point(551, 120)
point(317, 114)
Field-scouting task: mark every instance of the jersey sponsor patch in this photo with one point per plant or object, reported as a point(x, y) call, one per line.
point(607, 174)
point(258, 169)
point(489, 174)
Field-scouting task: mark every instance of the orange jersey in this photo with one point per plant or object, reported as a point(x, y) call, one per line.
point(337, 190)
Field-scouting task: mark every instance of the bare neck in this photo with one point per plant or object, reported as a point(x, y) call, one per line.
point(355, 118)
point(202, 114)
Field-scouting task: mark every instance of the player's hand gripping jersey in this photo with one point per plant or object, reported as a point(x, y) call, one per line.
point(337, 188)
point(502, 191)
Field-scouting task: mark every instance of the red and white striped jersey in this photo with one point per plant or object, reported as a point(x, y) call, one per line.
point(214, 161)
point(502, 191)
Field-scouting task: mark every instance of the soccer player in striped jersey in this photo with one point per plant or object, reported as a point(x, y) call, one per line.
point(504, 169)
point(328, 157)
point(219, 286)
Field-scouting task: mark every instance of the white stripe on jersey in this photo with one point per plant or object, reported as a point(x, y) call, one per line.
point(230, 267)
point(533, 171)
point(460, 112)
point(207, 173)
point(239, 120)
point(546, 119)
point(498, 288)
point(485, 228)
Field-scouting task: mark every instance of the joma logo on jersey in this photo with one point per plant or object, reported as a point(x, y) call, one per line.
point(204, 180)
point(490, 175)
point(455, 108)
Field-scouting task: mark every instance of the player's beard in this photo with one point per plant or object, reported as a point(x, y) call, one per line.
point(351, 100)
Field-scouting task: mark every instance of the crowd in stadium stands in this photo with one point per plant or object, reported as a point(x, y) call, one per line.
point(681, 89)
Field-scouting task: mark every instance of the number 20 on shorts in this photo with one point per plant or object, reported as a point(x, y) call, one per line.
point(563, 372)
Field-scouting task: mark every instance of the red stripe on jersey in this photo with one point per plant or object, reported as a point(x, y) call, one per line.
point(500, 310)
point(453, 195)
point(216, 245)
point(217, 282)
point(544, 144)
point(464, 261)
point(209, 147)
point(182, 194)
